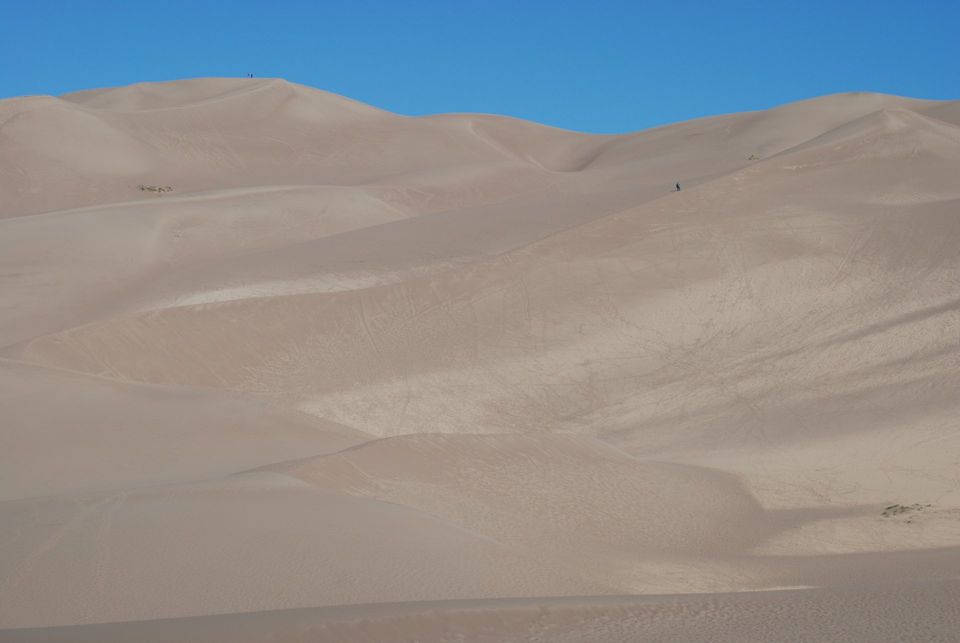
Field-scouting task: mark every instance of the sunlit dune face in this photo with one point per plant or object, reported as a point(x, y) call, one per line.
point(265, 348)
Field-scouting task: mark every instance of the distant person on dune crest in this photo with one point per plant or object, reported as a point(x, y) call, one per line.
point(678, 187)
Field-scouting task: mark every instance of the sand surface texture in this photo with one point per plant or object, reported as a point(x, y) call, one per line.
point(276, 365)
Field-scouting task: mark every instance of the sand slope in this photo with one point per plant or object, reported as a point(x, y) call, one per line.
point(919, 612)
point(355, 358)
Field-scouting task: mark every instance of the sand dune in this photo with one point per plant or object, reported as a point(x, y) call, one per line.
point(65, 432)
point(353, 359)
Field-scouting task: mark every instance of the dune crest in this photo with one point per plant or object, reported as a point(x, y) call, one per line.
point(353, 365)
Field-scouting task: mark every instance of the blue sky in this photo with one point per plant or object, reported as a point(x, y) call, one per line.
point(601, 66)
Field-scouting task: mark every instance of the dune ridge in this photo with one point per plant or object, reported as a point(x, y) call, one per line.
point(354, 365)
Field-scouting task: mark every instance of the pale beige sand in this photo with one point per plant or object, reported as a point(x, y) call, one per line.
point(357, 359)
point(893, 614)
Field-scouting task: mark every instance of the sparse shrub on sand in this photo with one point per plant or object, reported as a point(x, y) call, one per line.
point(894, 510)
point(155, 188)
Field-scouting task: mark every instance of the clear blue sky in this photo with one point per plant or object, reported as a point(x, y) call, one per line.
point(601, 66)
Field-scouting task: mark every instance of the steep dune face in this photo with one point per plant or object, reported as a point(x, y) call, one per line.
point(356, 357)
